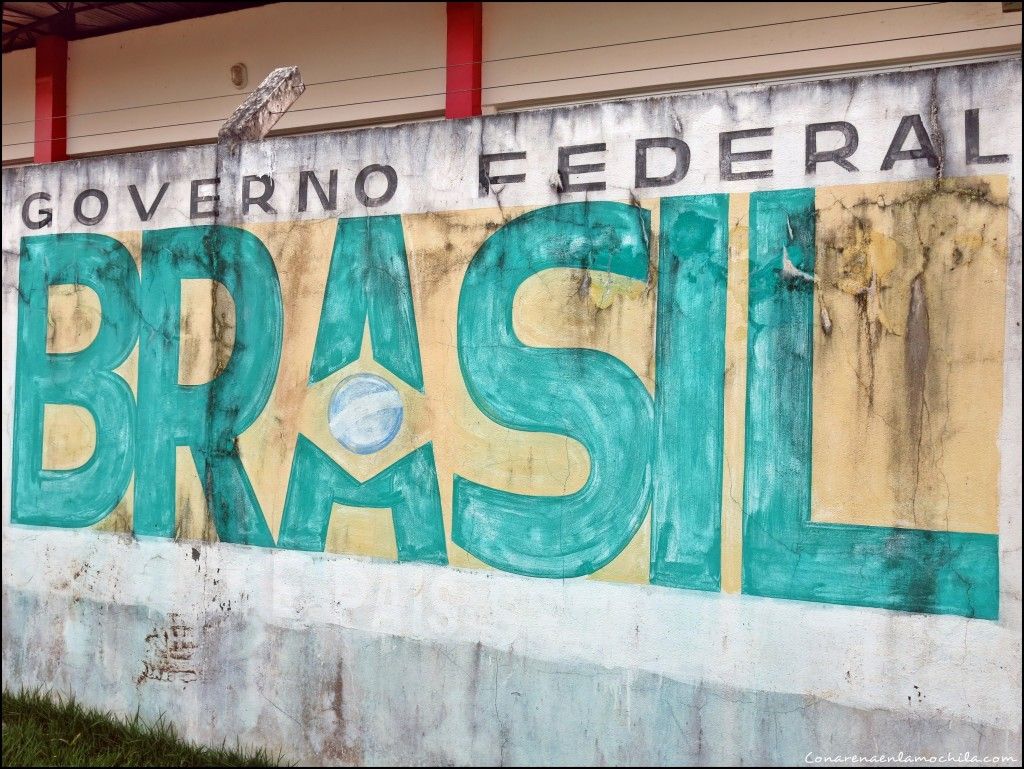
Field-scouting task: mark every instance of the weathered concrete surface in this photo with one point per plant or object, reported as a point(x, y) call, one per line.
point(347, 660)
point(359, 662)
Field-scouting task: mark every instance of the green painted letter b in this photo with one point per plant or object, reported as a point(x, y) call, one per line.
point(83, 495)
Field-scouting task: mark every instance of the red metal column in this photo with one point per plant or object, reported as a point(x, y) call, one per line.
point(51, 99)
point(465, 49)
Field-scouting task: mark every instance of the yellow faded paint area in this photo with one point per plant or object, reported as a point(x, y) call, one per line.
point(73, 310)
point(908, 361)
point(207, 331)
point(192, 516)
point(365, 531)
point(70, 436)
point(73, 317)
point(593, 310)
point(120, 519)
point(129, 370)
point(735, 395)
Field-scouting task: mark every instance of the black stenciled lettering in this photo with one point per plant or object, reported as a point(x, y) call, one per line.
point(45, 214)
point(328, 200)
point(486, 180)
point(97, 195)
point(263, 199)
point(145, 214)
point(681, 152)
point(195, 199)
point(839, 155)
point(566, 170)
point(972, 131)
point(727, 156)
point(389, 174)
point(896, 152)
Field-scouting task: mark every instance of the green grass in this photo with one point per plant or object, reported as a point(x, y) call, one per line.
point(44, 730)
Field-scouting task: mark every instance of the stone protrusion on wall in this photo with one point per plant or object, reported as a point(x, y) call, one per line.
point(262, 108)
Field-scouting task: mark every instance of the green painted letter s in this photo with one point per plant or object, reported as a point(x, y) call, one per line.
point(587, 395)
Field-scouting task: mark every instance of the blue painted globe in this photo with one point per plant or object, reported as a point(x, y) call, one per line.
point(365, 413)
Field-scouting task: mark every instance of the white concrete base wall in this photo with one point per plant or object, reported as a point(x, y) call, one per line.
point(340, 660)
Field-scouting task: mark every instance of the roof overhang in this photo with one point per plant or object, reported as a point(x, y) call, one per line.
point(25, 22)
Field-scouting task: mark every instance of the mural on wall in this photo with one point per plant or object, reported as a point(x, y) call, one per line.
point(791, 393)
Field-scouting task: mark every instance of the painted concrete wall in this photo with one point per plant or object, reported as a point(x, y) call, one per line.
point(696, 44)
point(689, 455)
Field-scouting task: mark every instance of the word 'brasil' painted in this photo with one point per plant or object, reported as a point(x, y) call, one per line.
point(543, 393)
